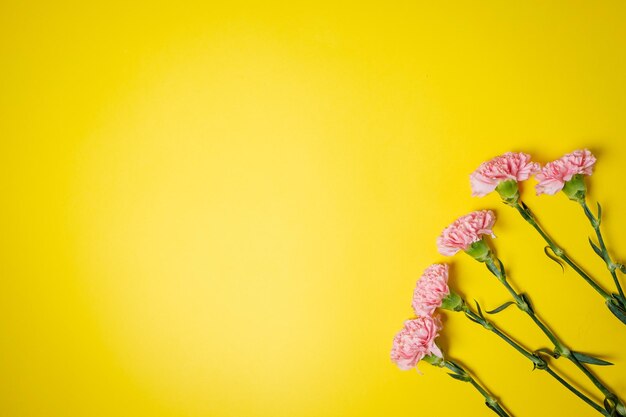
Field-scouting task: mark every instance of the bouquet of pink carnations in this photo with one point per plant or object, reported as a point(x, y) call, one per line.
point(470, 233)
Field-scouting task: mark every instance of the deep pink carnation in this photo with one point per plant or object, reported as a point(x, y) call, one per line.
point(510, 166)
point(465, 231)
point(430, 290)
point(553, 176)
point(416, 340)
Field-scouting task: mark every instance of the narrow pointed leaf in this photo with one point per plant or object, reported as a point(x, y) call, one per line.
point(599, 214)
point(458, 377)
point(501, 268)
point(610, 407)
point(596, 249)
point(480, 311)
point(617, 311)
point(553, 257)
point(590, 359)
point(472, 318)
point(524, 206)
point(492, 268)
point(454, 367)
point(502, 307)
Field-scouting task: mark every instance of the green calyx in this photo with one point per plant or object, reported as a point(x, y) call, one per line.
point(433, 360)
point(509, 191)
point(575, 188)
point(452, 302)
point(479, 250)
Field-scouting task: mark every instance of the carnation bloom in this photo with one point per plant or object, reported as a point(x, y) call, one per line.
point(431, 289)
point(514, 166)
point(416, 340)
point(465, 231)
point(553, 176)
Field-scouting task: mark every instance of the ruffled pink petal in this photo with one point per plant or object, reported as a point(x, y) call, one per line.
point(515, 166)
point(466, 230)
point(430, 290)
point(481, 186)
point(434, 349)
point(414, 341)
point(549, 186)
point(554, 174)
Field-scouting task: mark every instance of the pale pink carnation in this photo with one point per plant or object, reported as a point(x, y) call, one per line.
point(430, 290)
point(416, 340)
point(465, 231)
point(510, 166)
point(553, 176)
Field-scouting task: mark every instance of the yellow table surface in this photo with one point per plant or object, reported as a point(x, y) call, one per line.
point(221, 209)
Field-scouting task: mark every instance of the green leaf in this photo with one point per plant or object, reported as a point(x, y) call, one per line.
point(458, 377)
point(501, 267)
point(480, 311)
point(493, 269)
point(617, 310)
point(610, 407)
point(454, 367)
point(599, 214)
point(590, 359)
point(472, 318)
point(524, 206)
point(596, 249)
point(553, 257)
point(502, 307)
point(622, 268)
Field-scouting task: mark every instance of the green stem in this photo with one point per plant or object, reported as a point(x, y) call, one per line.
point(489, 326)
point(559, 346)
point(530, 218)
point(490, 400)
point(607, 393)
point(537, 361)
point(595, 223)
point(523, 305)
point(578, 393)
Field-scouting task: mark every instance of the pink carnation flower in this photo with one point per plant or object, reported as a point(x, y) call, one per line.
point(431, 289)
point(465, 231)
point(416, 340)
point(510, 166)
point(553, 176)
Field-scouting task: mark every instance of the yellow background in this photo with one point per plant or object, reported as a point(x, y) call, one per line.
point(221, 209)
